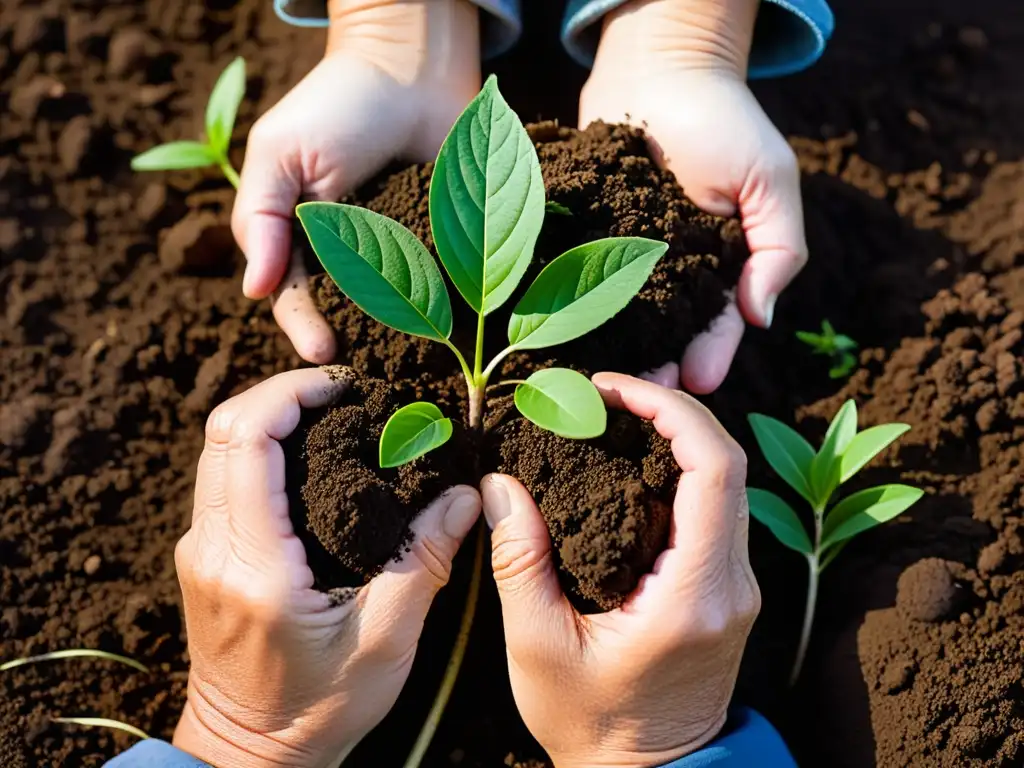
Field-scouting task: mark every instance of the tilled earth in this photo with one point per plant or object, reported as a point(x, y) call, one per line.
point(123, 324)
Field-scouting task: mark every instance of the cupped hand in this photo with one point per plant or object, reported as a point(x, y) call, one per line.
point(676, 69)
point(651, 681)
point(282, 674)
point(394, 79)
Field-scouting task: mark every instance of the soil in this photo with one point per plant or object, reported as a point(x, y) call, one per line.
point(123, 324)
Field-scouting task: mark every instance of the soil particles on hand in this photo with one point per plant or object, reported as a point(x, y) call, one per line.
point(122, 325)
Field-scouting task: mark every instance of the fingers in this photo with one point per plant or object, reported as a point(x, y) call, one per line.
point(773, 220)
point(534, 609)
point(299, 318)
point(709, 356)
point(263, 212)
point(397, 600)
point(707, 505)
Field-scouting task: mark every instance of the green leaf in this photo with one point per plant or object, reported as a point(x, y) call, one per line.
point(866, 509)
point(381, 266)
point(582, 289)
point(564, 402)
point(866, 445)
point(222, 108)
point(412, 431)
point(780, 518)
point(552, 207)
point(786, 451)
point(842, 367)
point(825, 466)
point(486, 201)
point(843, 343)
point(174, 156)
point(815, 341)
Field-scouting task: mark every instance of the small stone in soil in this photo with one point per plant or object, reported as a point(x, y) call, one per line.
point(927, 591)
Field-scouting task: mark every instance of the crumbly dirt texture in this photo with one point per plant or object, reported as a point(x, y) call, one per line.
point(122, 324)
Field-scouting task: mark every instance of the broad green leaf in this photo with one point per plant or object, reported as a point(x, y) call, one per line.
point(486, 201)
point(174, 156)
point(222, 108)
point(843, 343)
point(552, 207)
point(780, 518)
point(825, 466)
point(582, 289)
point(786, 451)
point(866, 445)
point(412, 431)
point(564, 402)
point(381, 267)
point(866, 509)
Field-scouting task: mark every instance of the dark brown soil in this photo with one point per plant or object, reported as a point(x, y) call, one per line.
point(909, 136)
point(611, 521)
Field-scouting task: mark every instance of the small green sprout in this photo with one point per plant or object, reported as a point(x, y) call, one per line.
point(816, 476)
point(102, 722)
point(836, 346)
point(486, 211)
point(73, 653)
point(552, 207)
point(221, 110)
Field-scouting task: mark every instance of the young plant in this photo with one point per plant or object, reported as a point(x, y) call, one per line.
point(816, 476)
point(836, 346)
point(486, 210)
point(221, 110)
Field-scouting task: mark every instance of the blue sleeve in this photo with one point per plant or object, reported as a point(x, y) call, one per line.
point(749, 741)
point(790, 35)
point(501, 27)
point(153, 753)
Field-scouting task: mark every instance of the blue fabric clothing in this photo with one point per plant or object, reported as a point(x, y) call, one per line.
point(790, 34)
point(749, 740)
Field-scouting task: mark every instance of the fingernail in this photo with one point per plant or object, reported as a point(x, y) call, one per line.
point(247, 278)
point(769, 309)
point(462, 513)
point(497, 505)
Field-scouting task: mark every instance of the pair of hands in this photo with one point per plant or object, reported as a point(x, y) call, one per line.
point(283, 675)
point(396, 76)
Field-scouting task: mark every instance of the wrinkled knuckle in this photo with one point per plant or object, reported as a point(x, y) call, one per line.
point(517, 558)
point(433, 559)
point(727, 467)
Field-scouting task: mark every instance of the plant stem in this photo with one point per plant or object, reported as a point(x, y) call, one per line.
point(497, 359)
point(478, 358)
point(506, 383)
point(476, 407)
point(228, 171)
point(812, 599)
point(454, 661)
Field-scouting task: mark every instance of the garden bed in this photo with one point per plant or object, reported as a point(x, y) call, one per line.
point(123, 325)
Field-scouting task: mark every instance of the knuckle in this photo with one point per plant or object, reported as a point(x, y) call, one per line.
point(432, 557)
point(516, 558)
point(228, 426)
point(727, 467)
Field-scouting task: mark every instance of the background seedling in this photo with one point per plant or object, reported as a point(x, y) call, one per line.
point(552, 207)
point(816, 476)
point(103, 722)
point(836, 346)
point(221, 110)
point(486, 210)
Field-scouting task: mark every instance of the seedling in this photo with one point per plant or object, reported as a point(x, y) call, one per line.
point(836, 346)
point(817, 477)
point(103, 722)
point(557, 208)
point(221, 110)
point(486, 211)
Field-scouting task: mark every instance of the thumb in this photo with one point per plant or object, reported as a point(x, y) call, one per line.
point(534, 609)
point(399, 597)
point(772, 212)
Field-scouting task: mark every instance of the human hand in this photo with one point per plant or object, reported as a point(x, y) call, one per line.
point(394, 78)
point(677, 68)
point(283, 675)
point(649, 682)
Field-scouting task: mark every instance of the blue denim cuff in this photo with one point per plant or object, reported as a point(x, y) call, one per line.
point(790, 35)
point(750, 741)
point(153, 753)
point(500, 29)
